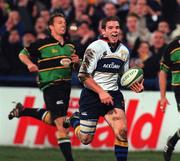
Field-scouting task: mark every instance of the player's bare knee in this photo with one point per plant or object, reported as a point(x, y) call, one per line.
point(86, 139)
point(121, 134)
point(47, 118)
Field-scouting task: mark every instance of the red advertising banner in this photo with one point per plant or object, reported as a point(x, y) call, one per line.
point(146, 122)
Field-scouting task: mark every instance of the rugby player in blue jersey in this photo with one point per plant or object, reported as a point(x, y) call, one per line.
point(104, 60)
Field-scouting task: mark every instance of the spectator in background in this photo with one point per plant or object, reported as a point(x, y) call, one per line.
point(83, 11)
point(109, 9)
point(13, 21)
point(40, 26)
point(170, 12)
point(157, 44)
point(134, 32)
point(4, 10)
point(24, 8)
point(152, 64)
point(10, 50)
point(28, 38)
point(176, 31)
point(163, 26)
point(156, 6)
point(85, 36)
point(142, 55)
point(45, 15)
point(66, 7)
point(145, 60)
point(147, 17)
point(55, 6)
point(122, 10)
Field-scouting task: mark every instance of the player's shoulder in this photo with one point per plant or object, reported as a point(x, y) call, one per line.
point(70, 44)
point(42, 42)
point(123, 47)
point(175, 42)
point(98, 42)
point(173, 45)
point(97, 45)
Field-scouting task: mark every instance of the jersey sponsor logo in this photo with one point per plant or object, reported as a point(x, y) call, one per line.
point(84, 113)
point(60, 102)
point(66, 62)
point(111, 66)
point(54, 50)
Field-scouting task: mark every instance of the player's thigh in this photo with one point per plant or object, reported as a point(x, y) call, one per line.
point(177, 97)
point(116, 118)
point(89, 111)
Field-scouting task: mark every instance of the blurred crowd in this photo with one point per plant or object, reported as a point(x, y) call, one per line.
point(147, 26)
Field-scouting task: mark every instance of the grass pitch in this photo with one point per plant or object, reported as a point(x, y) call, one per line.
point(28, 154)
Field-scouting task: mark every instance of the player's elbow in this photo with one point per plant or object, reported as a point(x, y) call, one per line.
point(83, 76)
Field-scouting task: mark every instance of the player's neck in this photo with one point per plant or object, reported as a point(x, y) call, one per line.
point(113, 46)
point(59, 38)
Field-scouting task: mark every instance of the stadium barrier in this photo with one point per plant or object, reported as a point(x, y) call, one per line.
point(148, 127)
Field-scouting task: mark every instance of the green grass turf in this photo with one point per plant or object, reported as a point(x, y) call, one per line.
point(28, 154)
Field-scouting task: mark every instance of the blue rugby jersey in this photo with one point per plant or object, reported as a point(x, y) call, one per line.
point(105, 65)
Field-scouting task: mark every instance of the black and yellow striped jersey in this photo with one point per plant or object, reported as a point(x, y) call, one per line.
point(52, 59)
point(171, 62)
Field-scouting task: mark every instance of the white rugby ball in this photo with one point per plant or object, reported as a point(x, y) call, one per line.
point(131, 76)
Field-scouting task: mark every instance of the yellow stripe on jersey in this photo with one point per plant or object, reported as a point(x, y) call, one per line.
point(52, 44)
point(52, 58)
point(175, 84)
point(71, 45)
point(175, 50)
point(47, 69)
point(177, 62)
point(176, 71)
point(165, 65)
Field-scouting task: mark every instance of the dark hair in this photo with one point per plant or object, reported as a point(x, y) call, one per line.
point(56, 14)
point(133, 15)
point(107, 19)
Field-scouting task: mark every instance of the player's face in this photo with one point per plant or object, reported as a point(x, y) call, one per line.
point(112, 31)
point(59, 26)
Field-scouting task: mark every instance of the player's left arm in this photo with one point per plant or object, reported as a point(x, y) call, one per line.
point(138, 86)
point(75, 64)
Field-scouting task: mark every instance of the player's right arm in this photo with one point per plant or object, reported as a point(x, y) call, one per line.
point(91, 57)
point(25, 58)
point(104, 96)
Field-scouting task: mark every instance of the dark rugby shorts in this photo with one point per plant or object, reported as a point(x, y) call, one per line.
point(91, 106)
point(56, 98)
point(177, 96)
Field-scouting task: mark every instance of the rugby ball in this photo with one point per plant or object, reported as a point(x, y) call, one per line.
point(131, 76)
